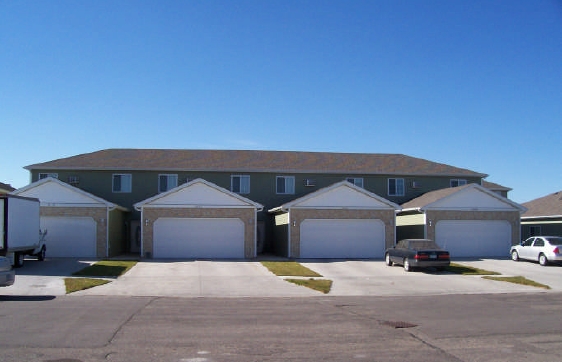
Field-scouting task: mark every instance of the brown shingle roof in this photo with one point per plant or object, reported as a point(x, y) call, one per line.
point(494, 187)
point(550, 205)
point(431, 197)
point(253, 161)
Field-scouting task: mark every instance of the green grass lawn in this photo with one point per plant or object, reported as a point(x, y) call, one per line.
point(321, 285)
point(104, 268)
point(518, 280)
point(466, 270)
point(289, 269)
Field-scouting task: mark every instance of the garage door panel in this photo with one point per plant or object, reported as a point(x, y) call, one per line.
point(198, 238)
point(474, 238)
point(342, 238)
point(70, 236)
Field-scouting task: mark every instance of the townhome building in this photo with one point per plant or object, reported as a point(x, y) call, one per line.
point(265, 181)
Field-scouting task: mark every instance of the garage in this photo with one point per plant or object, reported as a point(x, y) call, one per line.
point(198, 238)
point(342, 238)
point(474, 238)
point(70, 236)
point(469, 221)
point(341, 221)
point(78, 223)
point(198, 220)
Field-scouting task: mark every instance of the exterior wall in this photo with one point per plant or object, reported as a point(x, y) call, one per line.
point(297, 216)
point(410, 232)
point(513, 217)
point(99, 214)
point(551, 227)
point(247, 215)
point(116, 240)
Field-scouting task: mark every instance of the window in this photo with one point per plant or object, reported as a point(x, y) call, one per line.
point(539, 242)
point(240, 184)
point(357, 181)
point(396, 187)
point(457, 182)
point(167, 182)
point(122, 182)
point(535, 230)
point(285, 185)
point(45, 175)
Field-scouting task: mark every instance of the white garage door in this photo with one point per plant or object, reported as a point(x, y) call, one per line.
point(70, 236)
point(342, 238)
point(474, 238)
point(198, 238)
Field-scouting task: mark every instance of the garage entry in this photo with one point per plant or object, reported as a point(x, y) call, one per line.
point(342, 238)
point(70, 236)
point(473, 238)
point(198, 238)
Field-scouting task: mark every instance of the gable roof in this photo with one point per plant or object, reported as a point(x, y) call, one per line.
point(253, 161)
point(53, 192)
point(546, 206)
point(198, 193)
point(437, 198)
point(345, 194)
point(6, 187)
point(495, 187)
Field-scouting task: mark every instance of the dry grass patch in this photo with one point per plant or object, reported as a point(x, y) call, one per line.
point(107, 268)
point(467, 270)
point(289, 269)
point(321, 285)
point(76, 284)
point(518, 280)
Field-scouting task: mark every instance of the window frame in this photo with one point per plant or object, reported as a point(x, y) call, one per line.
point(458, 181)
point(44, 175)
point(167, 175)
point(242, 190)
point(397, 181)
point(285, 178)
point(122, 190)
point(354, 180)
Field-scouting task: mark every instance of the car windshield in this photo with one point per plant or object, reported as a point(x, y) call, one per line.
point(554, 241)
point(423, 244)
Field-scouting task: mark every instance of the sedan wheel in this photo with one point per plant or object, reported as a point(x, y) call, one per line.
point(387, 260)
point(407, 266)
point(514, 256)
point(543, 260)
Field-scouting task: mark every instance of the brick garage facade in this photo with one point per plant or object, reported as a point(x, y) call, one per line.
point(246, 215)
point(299, 215)
point(99, 215)
point(513, 217)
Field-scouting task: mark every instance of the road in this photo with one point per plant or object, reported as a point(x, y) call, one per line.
point(472, 327)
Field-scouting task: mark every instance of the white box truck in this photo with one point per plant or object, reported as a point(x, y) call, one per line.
point(20, 229)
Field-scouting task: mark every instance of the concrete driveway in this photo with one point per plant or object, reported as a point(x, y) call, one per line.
point(251, 279)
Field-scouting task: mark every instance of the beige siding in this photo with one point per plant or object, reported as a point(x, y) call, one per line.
point(299, 215)
point(247, 215)
point(415, 219)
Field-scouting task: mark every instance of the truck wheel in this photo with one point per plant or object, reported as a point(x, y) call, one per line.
point(41, 255)
point(18, 260)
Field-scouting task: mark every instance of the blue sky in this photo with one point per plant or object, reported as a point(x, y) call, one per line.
point(474, 84)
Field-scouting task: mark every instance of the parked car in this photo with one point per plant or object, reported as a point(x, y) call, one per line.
point(7, 273)
point(417, 253)
point(544, 249)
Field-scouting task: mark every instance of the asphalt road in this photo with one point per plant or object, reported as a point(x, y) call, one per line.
point(490, 327)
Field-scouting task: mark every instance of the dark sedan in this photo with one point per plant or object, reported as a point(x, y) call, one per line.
point(417, 253)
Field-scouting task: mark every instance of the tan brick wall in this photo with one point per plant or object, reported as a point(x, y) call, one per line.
point(299, 215)
point(99, 215)
point(513, 217)
point(247, 215)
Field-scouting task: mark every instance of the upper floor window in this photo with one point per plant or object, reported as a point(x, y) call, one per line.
point(285, 185)
point(395, 187)
point(357, 181)
point(240, 184)
point(167, 182)
point(45, 175)
point(457, 182)
point(122, 182)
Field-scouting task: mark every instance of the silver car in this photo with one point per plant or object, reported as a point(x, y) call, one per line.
point(544, 249)
point(7, 273)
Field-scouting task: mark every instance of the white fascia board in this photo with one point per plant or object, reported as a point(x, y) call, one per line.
point(541, 217)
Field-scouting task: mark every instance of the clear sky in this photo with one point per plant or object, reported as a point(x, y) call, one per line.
point(475, 84)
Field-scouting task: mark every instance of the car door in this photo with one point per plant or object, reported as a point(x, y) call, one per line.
point(536, 249)
point(525, 250)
